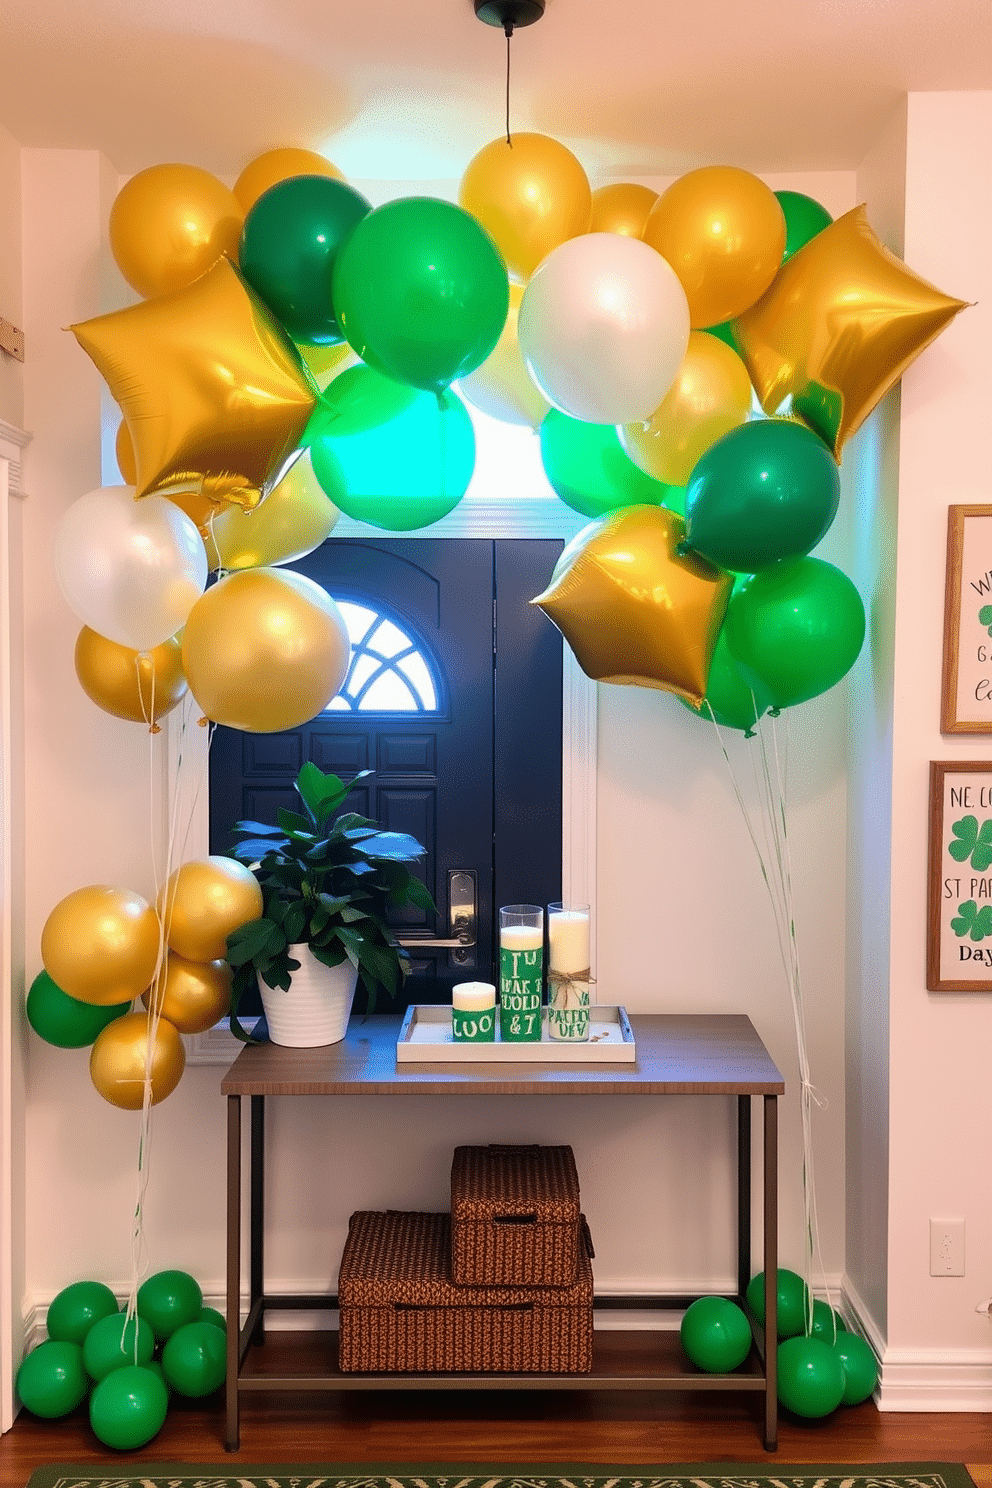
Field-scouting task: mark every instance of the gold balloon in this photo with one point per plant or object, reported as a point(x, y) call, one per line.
point(213, 391)
point(275, 166)
point(842, 322)
point(169, 223)
point(203, 902)
point(119, 1058)
point(622, 208)
point(723, 232)
point(124, 450)
point(710, 396)
point(101, 945)
point(502, 386)
point(633, 609)
point(265, 650)
point(192, 995)
point(529, 197)
point(293, 519)
point(138, 686)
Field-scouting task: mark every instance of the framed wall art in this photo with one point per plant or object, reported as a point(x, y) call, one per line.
point(966, 690)
point(959, 891)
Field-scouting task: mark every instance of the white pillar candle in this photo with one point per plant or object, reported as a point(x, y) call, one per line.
point(521, 937)
point(473, 997)
point(568, 940)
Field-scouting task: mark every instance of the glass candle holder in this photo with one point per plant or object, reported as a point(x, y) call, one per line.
point(568, 972)
point(473, 1013)
point(521, 972)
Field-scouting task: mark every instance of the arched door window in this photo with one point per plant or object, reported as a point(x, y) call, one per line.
point(389, 672)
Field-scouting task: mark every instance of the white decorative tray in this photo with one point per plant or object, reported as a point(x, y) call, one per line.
point(425, 1038)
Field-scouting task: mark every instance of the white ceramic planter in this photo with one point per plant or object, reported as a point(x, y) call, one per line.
point(316, 1008)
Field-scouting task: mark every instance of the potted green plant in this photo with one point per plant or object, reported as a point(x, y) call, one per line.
point(329, 880)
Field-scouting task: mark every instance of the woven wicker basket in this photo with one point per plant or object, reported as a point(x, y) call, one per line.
point(514, 1216)
point(401, 1313)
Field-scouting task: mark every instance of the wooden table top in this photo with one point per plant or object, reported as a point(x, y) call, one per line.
point(677, 1054)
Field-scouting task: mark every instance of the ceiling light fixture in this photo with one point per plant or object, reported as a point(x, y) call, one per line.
point(509, 14)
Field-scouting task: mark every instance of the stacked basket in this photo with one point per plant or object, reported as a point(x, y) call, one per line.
point(502, 1285)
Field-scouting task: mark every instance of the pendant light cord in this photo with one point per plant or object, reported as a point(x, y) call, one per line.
point(508, 32)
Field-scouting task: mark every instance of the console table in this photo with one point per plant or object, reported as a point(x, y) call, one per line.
point(690, 1054)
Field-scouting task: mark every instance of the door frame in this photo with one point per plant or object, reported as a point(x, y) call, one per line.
point(185, 783)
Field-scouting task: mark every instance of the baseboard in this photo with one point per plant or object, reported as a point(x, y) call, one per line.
point(922, 1379)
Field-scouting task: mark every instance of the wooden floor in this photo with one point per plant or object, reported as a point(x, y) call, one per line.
point(632, 1427)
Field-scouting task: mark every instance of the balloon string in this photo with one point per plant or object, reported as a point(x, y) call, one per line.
point(508, 29)
point(778, 883)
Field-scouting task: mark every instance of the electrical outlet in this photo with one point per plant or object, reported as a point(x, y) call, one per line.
point(947, 1247)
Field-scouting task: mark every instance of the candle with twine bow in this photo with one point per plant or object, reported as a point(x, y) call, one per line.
point(569, 976)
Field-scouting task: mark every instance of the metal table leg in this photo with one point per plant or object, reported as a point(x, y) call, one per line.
point(256, 1260)
point(770, 1182)
point(232, 1434)
point(743, 1193)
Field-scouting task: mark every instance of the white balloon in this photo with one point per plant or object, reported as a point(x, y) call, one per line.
point(603, 327)
point(131, 570)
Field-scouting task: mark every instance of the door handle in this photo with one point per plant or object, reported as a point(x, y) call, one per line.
point(462, 918)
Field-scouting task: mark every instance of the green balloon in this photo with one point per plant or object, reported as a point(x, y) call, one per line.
point(859, 1365)
point(388, 454)
point(730, 696)
point(195, 1359)
point(110, 1345)
point(51, 1381)
point(64, 1021)
point(795, 629)
point(804, 218)
point(155, 1365)
point(289, 245)
point(810, 1377)
point(827, 1322)
point(167, 1300)
point(791, 1294)
point(768, 490)
point(590, 470)
point(421, 291)
point(211, 1315)
point(76, 1308)
point(715, 1334)
point(128, 1407)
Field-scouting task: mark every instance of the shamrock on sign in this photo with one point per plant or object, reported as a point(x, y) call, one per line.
point(971, 920)
point(972, 843)
point(985, 617)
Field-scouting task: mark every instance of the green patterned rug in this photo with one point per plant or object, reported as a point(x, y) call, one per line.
point(472, 1475)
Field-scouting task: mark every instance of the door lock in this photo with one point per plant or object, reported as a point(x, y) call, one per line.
point(462, 919)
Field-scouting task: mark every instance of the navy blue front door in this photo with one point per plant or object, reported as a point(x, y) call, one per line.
point(453, 700)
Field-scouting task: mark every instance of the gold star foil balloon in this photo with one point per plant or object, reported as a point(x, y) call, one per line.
point(840, 324)
point(633, 609)
point(214, 394)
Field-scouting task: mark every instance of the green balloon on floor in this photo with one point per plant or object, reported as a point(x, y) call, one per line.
point(51, 1381)
point(827, 1322)
point(128, 1407)
point(792, 1294)
point(76, 1308)
point(167, 1301)
point(211, 1315)
point(715, 1334)
point(110, 1345)
point(195, 1359)
point(859, 1365)
point(810, 1377)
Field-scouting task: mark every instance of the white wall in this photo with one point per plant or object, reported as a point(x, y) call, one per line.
point(11, 301)
point(938, 1119)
